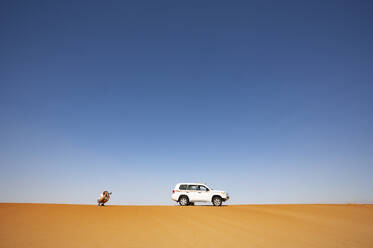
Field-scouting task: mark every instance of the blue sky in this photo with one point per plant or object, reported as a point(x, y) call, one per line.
point(269, 100)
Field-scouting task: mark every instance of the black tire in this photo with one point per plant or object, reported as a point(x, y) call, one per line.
point(183, 200)
point(191, 204)
point(217, 201)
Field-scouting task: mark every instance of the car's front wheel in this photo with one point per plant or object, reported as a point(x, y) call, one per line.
point(217, 201)
point(184, 201)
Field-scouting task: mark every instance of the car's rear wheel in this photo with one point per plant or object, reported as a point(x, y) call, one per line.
point(184, 201)
point(217, 201)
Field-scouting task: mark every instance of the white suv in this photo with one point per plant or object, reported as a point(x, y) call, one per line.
point(189, 193)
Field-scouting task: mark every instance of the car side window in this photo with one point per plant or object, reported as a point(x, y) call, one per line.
point(192, 187)
point(183, 187)
point(202, 188)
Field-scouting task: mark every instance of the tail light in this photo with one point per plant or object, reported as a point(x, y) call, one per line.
point(173, 191)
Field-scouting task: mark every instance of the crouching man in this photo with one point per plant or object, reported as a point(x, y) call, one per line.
point(104, 198)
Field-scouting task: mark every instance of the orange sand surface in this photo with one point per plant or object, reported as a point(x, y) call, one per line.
point(53, 225)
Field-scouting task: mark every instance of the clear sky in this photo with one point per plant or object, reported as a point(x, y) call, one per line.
point(269, 100)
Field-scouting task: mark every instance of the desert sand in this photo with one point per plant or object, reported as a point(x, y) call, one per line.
point(53, 225)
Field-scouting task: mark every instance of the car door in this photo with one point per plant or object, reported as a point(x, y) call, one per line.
point(203, 193)
point(192, 192)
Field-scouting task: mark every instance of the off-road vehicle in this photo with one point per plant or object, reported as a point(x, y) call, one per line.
point(189, 193)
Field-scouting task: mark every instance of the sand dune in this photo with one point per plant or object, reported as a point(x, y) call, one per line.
point(51, 225)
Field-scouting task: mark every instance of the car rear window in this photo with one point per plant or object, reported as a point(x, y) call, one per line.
point(183, 187)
